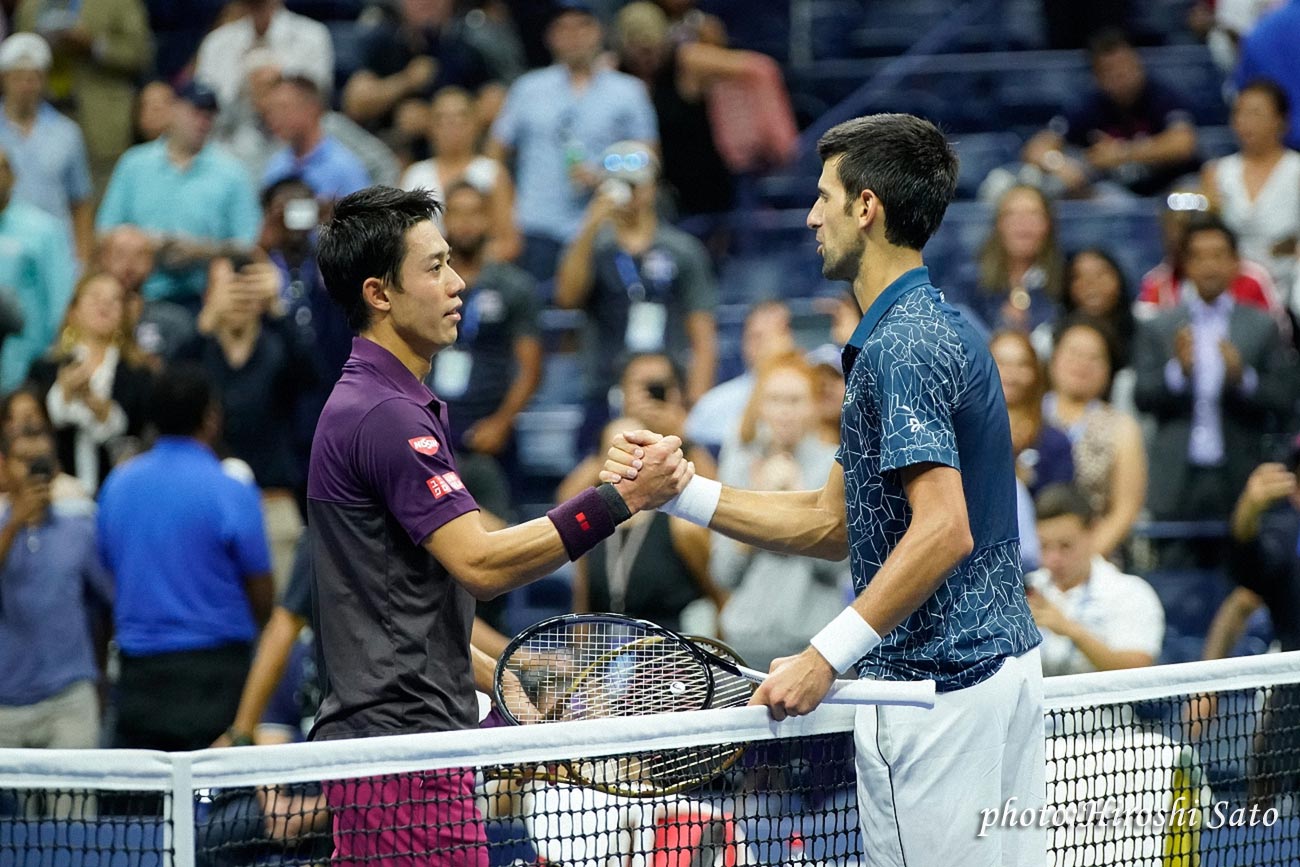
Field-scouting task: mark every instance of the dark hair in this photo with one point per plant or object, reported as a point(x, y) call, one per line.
point(905, 161)
point(273, 189)
point(675, 377)
point(1120, 320)
point(1061, 499)
point(1273, 91)
point(1103, 329)
point(1199, 223)
point(28, 389)
point(1107, 41)
point(366, 238)
point(181, 397)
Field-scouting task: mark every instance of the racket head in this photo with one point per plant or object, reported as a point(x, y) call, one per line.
point(597, 666)
point(729, 688)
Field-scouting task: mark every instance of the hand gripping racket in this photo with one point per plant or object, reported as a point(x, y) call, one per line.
point(597, 666)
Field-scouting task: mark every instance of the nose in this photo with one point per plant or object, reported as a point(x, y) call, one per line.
point(814, 220)
point(458, 284)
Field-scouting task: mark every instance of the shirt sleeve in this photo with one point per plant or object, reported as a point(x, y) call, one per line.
point(505, 129)
point(297, 596)
point(245, 530)
point(915, 381)
point(403, 455)
point(524, 309)
point(78, 179)
point(245, 213)
point(112, 209)
point(699, 288)
point(642, 124)
point(1139, 623)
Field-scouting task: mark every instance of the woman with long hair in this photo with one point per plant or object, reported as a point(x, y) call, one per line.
point(777, 601)
point(1110, 461)
point(1021, 272)
point(1042, 450)
point(1096, 287)
point(95, 381)
point(1257, 190)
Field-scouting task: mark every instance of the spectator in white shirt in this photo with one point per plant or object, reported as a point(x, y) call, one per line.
point(1093, 617)
point(302, 47)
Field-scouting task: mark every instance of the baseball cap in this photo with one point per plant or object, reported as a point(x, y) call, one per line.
point(199, 95)
point(24, 51)
point(630, 161)
point(559, 7)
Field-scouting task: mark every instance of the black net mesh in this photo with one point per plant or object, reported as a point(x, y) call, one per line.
point(84, 828)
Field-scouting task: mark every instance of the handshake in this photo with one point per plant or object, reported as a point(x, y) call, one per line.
point(648, 469)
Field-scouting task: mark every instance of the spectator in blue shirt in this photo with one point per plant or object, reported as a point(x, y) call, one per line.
point(557, 122)
point(294, 110)
point(1272, 51)
point(187, 547)
point(197, 200)
point(46, 148)
point(50, 573)
point(36, 269)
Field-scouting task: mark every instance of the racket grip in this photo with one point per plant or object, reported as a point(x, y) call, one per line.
point(917, 693)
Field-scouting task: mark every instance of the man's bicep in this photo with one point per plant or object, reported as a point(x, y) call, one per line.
point(934, 491)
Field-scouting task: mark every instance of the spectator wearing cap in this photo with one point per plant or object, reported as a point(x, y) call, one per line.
point(101, 49)
point(295, 107)
point(646, 286)
point(37, 269)
point(46, 150)
point(193, 197)
point(556, 123)
point(300, 45)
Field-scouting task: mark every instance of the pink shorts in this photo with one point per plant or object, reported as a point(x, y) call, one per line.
point(421, 819)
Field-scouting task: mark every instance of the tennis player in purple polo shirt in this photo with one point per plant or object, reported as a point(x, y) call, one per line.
point(398, 549)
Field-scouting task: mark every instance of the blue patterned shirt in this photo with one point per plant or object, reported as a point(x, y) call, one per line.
point(922, 388)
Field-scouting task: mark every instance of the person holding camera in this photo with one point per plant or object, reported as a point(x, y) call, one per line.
point(261, 363)
point(50, 572)
point(646, 286)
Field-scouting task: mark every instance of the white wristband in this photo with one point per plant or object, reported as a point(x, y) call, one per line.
point(845, 640)
point(696, 503)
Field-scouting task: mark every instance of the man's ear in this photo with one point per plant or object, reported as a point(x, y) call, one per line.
point(870, 209)
point(375, 293)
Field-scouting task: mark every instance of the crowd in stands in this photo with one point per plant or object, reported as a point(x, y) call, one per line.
point(168, 341)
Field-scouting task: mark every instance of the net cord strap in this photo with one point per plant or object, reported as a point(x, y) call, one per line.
point(294, 763)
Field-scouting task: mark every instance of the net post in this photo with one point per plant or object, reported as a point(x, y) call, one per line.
point(182, 811)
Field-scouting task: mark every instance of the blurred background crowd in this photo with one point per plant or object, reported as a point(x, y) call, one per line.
point(625, 185)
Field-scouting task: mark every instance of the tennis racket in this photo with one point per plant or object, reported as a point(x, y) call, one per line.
point(597, 666)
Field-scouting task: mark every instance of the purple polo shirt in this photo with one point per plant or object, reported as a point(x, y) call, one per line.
point(393, 624)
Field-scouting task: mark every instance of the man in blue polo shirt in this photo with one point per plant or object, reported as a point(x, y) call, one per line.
point(557, 122)
point(186, 545)
point(294, 110)
point(197, 200)
point(923, 502)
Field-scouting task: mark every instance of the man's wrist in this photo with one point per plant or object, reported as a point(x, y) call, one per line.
point(845, 640)
point(697, 502)
point(239, 738)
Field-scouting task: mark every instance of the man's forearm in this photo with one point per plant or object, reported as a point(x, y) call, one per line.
point(787, 522)
point(484, 669)
point(1100, 654)
point(273, 650)
point(574, 275)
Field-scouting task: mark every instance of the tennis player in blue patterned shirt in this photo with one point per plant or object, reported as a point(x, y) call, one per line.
point(922, 500)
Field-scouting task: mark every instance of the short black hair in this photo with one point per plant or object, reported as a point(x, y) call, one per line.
point(1061, 499)
point(676, 377)
point(365, 238)
point(181, 398)
point(905, 161)
point(1271, 89)
point(1204, 222)
point(273, 189)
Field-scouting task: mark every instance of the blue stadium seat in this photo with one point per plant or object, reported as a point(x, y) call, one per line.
point(108, 842)
point(1190, 597)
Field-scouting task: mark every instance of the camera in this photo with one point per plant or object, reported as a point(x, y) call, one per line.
point(41, 467)
point(240, 259)
point(301, 215)
point(657, 391)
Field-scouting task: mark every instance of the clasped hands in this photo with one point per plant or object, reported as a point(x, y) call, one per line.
point(648, 469)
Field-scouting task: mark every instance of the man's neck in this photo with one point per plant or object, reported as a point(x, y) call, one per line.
point(383, 334)
point(636, 233)
point(308, 142)
point(20, 114)
point(181, 156)
point(1067, 583)
point(262, 18)
point(580, 74)
point(880, 267)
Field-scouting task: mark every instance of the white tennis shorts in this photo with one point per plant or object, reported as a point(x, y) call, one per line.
point(926, 776)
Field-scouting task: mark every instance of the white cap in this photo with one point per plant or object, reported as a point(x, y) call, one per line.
point(24, 51)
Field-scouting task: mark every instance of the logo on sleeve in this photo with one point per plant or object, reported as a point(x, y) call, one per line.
point(444, 484)
point(425, 445)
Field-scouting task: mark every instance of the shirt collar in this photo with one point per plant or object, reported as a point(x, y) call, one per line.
point(905, 283)
point(1221, 306)
point(169, 442)
point(370, 354)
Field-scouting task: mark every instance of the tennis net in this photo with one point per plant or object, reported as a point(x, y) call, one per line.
point(1179, 765)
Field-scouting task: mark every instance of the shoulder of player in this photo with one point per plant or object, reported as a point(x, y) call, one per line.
point(914, 329)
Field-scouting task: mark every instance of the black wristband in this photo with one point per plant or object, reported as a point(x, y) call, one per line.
point(618, 509)
point(586, 520)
